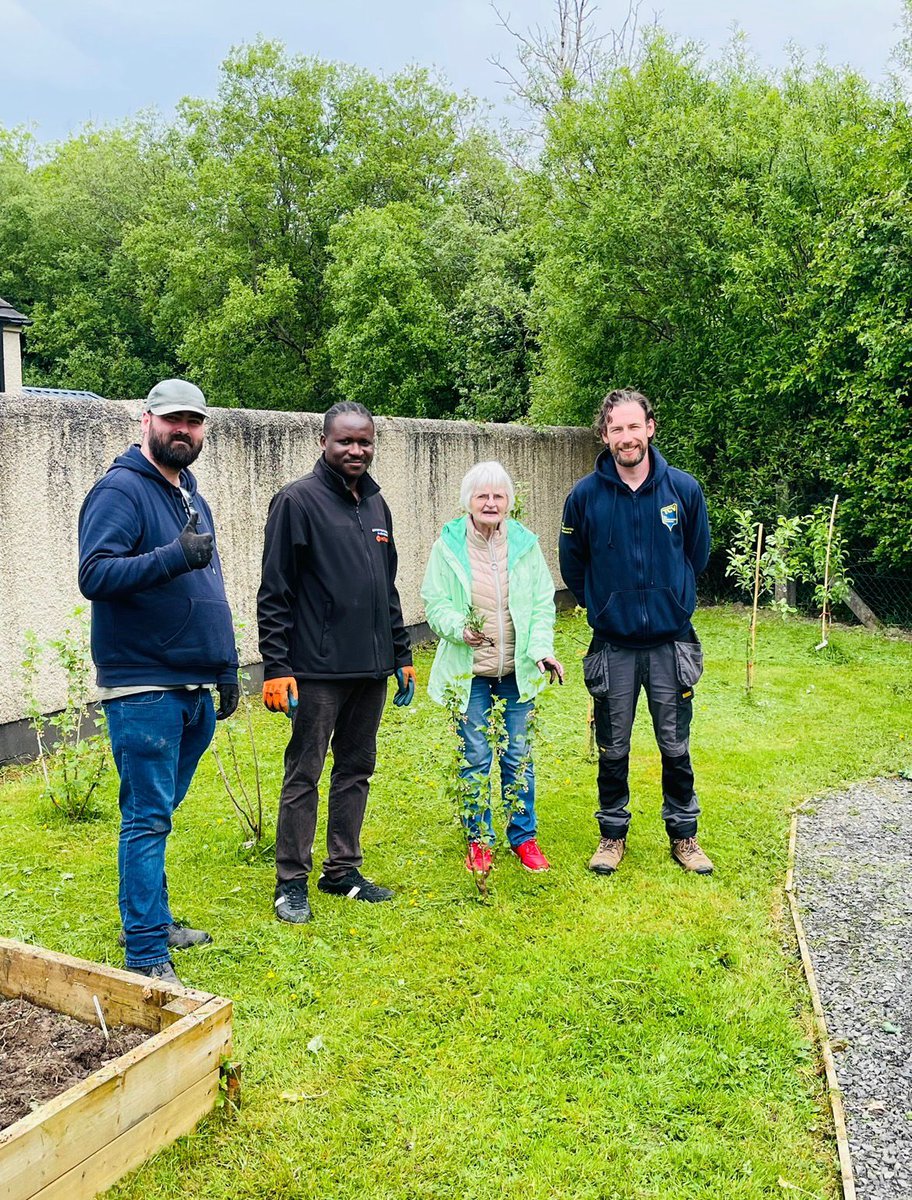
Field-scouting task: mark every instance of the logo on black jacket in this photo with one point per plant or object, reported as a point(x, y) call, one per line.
point(382, 535)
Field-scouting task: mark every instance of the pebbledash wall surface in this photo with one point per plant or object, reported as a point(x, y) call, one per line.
point(53, 449)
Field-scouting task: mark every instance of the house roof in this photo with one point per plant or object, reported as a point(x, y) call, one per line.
point(73, 393)
point(9, 316)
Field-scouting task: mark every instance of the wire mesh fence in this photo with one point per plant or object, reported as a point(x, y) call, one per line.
point(885, 590)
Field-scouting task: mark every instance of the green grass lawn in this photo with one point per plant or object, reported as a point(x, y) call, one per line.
point(644, 1035)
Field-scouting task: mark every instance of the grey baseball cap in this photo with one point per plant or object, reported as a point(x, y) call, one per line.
point(175, 395)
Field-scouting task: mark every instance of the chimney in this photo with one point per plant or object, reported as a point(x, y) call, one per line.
point(11, 326)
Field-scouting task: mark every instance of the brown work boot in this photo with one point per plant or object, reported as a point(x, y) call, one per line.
point(607, 858)
point(687, 853)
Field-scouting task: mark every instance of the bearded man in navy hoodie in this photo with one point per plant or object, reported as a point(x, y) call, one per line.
point(634, 537)
point(162, 634)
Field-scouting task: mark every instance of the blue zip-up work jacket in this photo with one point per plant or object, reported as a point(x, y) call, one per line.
point(154, 620)
point(631, 558)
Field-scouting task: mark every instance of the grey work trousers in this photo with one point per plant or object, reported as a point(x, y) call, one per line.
point(668, 674)
point(348, 711)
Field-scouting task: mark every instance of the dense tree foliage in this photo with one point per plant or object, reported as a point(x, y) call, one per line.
point(699, 235)
point(62, 260)
point(734, 243)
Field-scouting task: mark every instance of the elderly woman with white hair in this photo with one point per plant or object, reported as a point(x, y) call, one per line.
point(489, 597)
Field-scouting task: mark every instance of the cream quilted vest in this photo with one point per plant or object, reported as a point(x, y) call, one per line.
point(490, 595)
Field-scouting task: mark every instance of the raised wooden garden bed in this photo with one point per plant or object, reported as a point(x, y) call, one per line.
point(86, 1138)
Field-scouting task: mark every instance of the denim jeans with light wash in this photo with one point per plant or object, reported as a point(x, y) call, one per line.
point(157, 739)
point(479, 757)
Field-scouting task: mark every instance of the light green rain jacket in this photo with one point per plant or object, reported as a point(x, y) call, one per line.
point(447, 596)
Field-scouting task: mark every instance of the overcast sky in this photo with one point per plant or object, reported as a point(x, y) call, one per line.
point(66, 62)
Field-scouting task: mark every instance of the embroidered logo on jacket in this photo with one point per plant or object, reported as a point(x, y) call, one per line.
point(382, 535)
point(669, 515)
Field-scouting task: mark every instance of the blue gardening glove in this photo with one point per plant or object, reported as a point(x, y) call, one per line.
point(406, 679)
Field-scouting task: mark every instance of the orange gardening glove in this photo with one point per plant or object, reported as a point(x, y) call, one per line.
point(280, 695)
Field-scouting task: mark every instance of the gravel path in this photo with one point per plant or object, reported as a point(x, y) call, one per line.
point(853, 873)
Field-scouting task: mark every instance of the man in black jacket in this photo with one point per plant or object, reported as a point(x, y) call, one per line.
point(331, 634)
point(634, 538)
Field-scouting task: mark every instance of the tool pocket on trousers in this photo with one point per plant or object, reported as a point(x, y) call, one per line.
point(688, 663)
point(688, 669)
point(595, 673)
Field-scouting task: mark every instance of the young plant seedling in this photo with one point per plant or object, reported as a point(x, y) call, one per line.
point(475, 622)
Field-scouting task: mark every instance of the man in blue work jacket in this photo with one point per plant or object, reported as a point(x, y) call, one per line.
point(634, 537)
point(162, 635)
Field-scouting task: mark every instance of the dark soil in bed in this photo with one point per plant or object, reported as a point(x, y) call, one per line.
point(44, 1052)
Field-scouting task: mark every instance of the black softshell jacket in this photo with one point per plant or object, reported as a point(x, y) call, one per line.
point(327, 605)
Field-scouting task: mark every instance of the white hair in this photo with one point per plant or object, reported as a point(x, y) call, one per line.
point(486, 475)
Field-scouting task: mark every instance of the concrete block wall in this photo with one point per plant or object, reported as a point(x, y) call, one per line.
point(52, 451)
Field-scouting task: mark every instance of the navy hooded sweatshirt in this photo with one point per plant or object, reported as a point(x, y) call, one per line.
point(631, 558)
point(154, 620)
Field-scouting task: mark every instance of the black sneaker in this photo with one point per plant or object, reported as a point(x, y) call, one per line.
point(163, 971)
point(180, 937)
point(292, 905)
point(354, 886)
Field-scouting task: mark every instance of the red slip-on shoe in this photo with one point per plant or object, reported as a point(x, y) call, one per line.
point(531, 857)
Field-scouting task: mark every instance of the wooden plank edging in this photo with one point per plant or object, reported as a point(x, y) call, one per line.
point(84, 1139)
point(67, 984)
point(846, 1171)
point(130, 1149)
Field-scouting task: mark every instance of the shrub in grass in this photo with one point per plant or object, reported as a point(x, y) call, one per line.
point(72, 762)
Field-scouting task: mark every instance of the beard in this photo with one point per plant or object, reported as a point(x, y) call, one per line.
point(171, 453)
point(631, 456)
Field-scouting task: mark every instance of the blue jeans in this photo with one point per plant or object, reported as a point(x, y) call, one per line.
point(157, 739)
point(478, 760)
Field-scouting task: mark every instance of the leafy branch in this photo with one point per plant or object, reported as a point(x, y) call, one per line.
point(72, 763)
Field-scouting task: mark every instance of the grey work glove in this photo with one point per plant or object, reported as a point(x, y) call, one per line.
point(229, 697)
point(197, 547)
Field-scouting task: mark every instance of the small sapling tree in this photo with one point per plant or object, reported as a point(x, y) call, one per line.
point(826, 565)
point(72, 762)
point(759, 565)
point(238, 764)
point(470, 795)
point(459, 788)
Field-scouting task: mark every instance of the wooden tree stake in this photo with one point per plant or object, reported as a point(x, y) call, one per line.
point(826, 578)
point(753, 628)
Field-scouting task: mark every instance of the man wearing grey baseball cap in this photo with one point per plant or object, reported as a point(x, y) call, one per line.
point(175, 396)
point(162, 634)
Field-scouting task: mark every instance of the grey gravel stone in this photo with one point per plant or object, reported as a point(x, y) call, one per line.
point(853, 875)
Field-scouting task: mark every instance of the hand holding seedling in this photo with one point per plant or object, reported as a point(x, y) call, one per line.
point(472, 635)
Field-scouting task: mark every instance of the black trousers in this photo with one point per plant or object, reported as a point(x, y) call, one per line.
point(667, 673)
point(346, 712)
